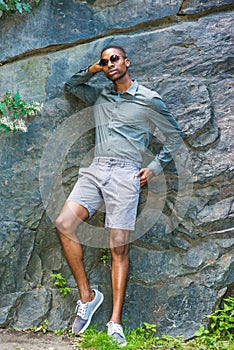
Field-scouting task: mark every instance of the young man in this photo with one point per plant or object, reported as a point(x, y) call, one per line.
point(125, 114)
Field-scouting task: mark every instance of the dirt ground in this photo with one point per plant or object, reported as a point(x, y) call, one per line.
point(22, 340)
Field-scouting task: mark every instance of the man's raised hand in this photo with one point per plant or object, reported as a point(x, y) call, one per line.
point(95, 68)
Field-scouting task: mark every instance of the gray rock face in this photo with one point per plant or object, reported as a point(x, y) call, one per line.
point(183, 265)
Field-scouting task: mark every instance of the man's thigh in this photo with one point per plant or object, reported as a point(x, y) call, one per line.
point(71, 215)
point(86, 191)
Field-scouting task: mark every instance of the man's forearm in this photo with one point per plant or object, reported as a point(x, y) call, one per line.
point(170, 148)
point(77, 79)
point(77, 85)
point(172, 132)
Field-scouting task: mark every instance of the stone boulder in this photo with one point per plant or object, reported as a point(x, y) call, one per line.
point(182, 265)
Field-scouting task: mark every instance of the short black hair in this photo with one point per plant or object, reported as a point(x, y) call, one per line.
point(120, 48)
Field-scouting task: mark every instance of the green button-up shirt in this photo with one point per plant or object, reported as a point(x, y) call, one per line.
point(125, 122)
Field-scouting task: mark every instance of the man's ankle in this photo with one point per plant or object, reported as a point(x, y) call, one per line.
point(115, 320)
point(88, 297)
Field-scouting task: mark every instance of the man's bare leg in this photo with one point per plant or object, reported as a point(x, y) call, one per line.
point(67, 223)
point(119, 271)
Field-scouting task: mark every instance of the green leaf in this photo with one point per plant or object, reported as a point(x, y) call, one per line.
point(5, 127)
point(2, 107)
point(27, 7)
point(17, 97)
point(3, 6)
point(16, 113)
point(19, 7)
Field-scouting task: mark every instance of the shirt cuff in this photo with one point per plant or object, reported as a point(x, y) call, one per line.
point(84, 70)
point(155, 166)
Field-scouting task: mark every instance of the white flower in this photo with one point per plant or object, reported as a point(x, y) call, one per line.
point(5, 120)
point(20, 125)
point(14, 119)
point(31, 113)
point(14, 125)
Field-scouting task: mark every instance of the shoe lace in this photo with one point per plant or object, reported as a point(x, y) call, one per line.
point(115, 328)
point(81, 309)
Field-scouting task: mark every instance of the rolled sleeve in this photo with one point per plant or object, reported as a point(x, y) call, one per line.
point(155, 166)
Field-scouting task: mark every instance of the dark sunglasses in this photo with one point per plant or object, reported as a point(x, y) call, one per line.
point(114, 58)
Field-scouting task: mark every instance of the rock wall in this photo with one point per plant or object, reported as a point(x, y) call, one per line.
point(179, 272)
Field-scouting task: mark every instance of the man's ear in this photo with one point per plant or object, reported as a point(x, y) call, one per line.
point(127, 62)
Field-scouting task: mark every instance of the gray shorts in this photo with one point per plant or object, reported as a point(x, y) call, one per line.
point(113, 182)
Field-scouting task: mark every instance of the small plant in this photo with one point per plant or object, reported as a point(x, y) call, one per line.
point(221, 327)
point(59, 332)
point(13, 6)
point(104, 256)
point(205, 339)
point(149, 329)
point(42, 328)
point(67, 331)
point(146, 330)
point(61, 283)
point(222, 320)
point(14, 111)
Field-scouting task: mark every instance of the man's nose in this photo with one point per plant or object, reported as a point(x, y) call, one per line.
point(110, 64)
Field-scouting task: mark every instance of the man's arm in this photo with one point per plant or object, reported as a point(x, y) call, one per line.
point(172, 132)
point(78, 87)
point(163, 119)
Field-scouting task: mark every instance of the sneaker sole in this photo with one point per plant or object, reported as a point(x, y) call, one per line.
point(90, 317)
point(122, 345)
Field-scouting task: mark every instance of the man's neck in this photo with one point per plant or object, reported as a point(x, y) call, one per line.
point(123, 84)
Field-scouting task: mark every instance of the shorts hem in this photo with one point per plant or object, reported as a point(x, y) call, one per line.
point(85, 205)
point(121, 227)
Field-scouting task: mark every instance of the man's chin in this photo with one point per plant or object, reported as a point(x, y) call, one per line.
point(113, 77)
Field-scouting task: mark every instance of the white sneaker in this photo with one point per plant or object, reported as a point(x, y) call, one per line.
point(115, 330)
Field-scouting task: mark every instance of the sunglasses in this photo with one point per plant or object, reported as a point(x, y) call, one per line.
point(114, 58)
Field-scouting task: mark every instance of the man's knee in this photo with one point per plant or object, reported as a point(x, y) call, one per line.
point(59, 223)
point(70, 217)
point(119, 237)
point(63, 224)
point(119, 242)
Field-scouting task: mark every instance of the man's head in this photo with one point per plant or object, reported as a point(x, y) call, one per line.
point(119, 48)
point(114, 62)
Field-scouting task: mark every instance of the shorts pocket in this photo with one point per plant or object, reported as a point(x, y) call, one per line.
point(82, 171)
point(136, 181)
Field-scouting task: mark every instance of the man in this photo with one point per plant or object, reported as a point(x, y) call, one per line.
point(125, 115)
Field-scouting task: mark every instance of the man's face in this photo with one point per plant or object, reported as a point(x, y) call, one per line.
point(115, 68)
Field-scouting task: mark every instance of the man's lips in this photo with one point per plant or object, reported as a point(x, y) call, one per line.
point(113, 71)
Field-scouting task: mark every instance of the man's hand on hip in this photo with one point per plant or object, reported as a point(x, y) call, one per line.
point(145, 175)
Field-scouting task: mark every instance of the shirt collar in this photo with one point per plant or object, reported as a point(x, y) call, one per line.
point(131, 90)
